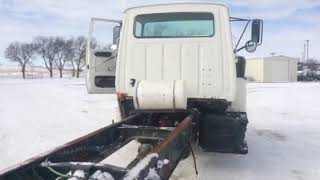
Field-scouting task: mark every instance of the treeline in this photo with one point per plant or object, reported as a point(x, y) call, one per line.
point(309, 71)
point(54, 51)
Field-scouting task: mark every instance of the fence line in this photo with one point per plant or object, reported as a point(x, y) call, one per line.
point(35, 75)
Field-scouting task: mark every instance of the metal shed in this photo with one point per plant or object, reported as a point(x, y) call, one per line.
point(272, 69)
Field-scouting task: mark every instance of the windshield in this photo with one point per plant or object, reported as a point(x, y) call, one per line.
point(170, 25)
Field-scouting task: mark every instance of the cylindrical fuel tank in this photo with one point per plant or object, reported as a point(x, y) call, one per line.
point(159, 95)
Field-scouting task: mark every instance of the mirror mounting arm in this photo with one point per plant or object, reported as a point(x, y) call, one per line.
point(244, 30)
point(237, 50)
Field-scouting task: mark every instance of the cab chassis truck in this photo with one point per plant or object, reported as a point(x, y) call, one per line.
point(178, 81)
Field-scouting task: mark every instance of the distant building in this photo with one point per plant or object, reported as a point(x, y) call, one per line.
point(272, 69)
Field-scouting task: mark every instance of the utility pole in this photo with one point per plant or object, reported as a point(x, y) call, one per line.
point(307, 52)
point(304, 52)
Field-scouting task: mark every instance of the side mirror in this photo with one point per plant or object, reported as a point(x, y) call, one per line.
point(256, 35)
point(103, 54)
point(251, 46)
point(116, 34)
point(256, 31)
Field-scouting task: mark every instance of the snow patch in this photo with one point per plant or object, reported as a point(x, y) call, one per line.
point(161, 163)
point(99, 175)
point(152, 175)
point(134, 172)
point(78, 174)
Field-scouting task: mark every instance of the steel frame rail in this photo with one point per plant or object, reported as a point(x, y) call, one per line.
point(100, 144)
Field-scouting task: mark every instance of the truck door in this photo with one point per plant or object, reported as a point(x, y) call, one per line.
point(101, 55)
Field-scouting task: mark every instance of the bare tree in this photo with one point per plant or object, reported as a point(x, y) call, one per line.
point(63, 53)
point(79, 51)
point(70, 56)
point(73, 67)
point(47, 49)
point(21, 53)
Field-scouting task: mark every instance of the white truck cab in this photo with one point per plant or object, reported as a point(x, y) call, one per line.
point(173, 57)
point(184, 42)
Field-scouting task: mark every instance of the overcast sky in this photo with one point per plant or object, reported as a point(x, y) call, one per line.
point(288, 23)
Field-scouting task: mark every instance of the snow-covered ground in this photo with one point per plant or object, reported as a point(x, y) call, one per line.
point(37, 115)
point(283, 134)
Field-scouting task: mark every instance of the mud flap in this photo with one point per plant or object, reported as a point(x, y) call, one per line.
point(223, 133)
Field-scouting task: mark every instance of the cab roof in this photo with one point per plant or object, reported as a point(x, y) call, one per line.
point(174, 4)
